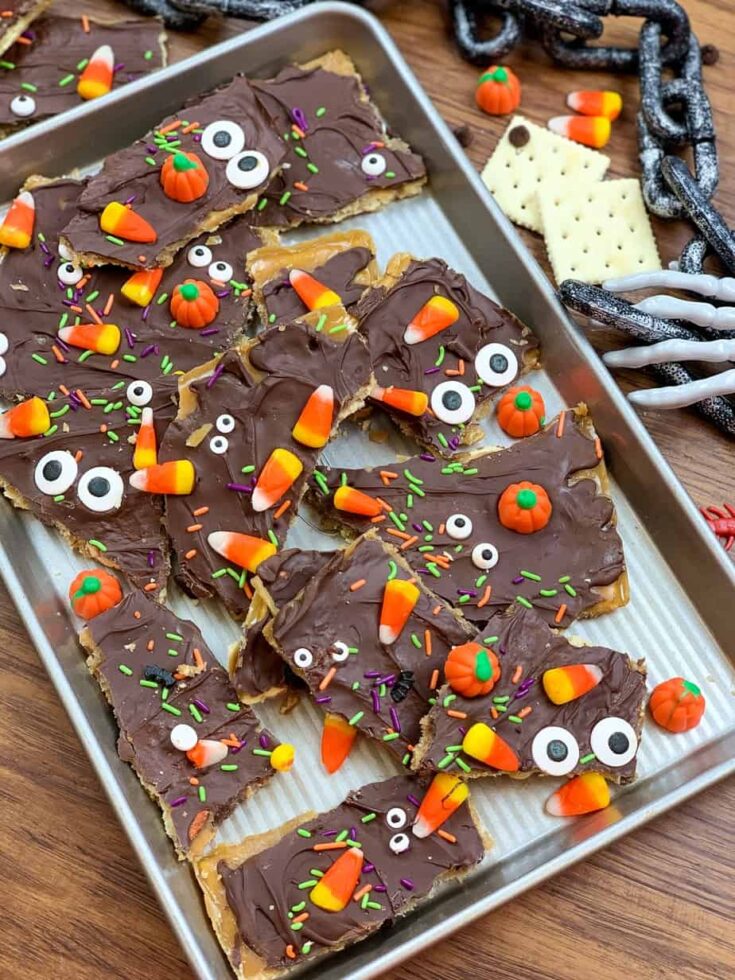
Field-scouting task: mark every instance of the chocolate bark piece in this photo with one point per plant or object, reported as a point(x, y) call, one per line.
point(17, 15)
point(256, 670)
point(232, 138)
point(75, 479)
point(43, 81)
point(341, 158)
point(122, 645)
point(343, 262)
point(481, 349)
point(232, 417)
point(42, 292)
point(598, 731)
point(251, 889)
point(444, 515)
point(339, 611)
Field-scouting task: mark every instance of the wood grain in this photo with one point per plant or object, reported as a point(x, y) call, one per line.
point(657, 904)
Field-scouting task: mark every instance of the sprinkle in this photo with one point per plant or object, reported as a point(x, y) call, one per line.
point(282, 510)
point(598, 448)
point(524, 602)
point(515, 719)
point(66, 80)
point(446, 761)
point(229, 768)
point(97, 544)
point(393, 570)
point(587, 758)
point(327, 679)
point(39, 359)
point(356, 718)
point(445, 835)
point(548, 593)
point(201, 791)
point(525, 711)
point(569, 590)
point(358, 584)
point(124, 669)
point(561, 612)
point(328, 847)
point(321, 481)
point(531, 575)
point(560, 425)
point(172, 710)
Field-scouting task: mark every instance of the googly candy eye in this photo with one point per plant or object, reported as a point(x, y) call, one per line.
point(199, 256)
point(139, 393)
point(373, 164)
point(23, 106)
point(485, 556)
point(225, 423)
point(396, 818)
point(101, 489)
point(223, 140)
point(64, 252)
point(247, 170)
point(496, 365)
point(614, 742)
point(3, 344)
point(220, 271)
point(69, 274)
point(340, 652)
point(555, 750)
point(55, 472)
point(452, 402)
point(303, 658)
point(399, 843)
point(459, 527)
point(219, 445)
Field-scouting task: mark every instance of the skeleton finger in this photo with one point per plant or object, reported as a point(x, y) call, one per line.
point(679, 396)
point(701, 314)
point(705, 285)
point(671, 350)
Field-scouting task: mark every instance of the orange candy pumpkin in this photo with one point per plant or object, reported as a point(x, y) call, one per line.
point(193, 304)
point(471, 670)
point(521, 412)
point(524, 507)
point(184, 178)
point(498, 91)
point(94, 591)
point(677, 705)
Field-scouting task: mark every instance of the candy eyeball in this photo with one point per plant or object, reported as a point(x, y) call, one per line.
point(303, 658)
point(64, 252)
point(69, 274)
point(485, 556)
point(555, 751)
point(496, 365)
point(459, 527)
point(23, 105)
point(101, 489)
point(183, 737)
point(139, 393)
point(452, 402)
point(248, 170)
point(399, 843)
point(220, 271)
point(225, 423)
point(55, 472)
point(396, 818)
point(219, 445)
point(614, 742)
point(223, 140)
point(199, 256)
point(3, 343)
point(373, 164)
point(340, 651)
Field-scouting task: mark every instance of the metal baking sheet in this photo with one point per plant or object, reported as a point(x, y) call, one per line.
point(682, 585)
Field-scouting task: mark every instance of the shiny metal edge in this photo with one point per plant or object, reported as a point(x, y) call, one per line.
point(59, 145)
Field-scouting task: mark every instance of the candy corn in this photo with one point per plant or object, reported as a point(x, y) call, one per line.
point(445, 795)
point(241, 549)
point(175, 477)
point(279, 474)
point(16, 231)
point(282, 757)
point(206, 753)
point(564, 684)
point(606, 104)
point(315, 422)
point(312, 293)
point(145, 453)
point(334, 890)
point(435, 315)
point(30, 418)
point(141, 287)
point(583, 794)
point(102, 338)
point(410, 402)
point(122, 222)
point(96, 79)
point(399, 599)
point(356, 502)
point(591, 131)
point(338, 737)
point(482, 743)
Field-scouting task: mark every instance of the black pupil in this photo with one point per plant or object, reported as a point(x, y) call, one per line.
point(459, 521)
point(99, 486)
point(487, 554)
point(499, 363)
point(139, 391)
point(557, 750)
point(52, 469)
point(618, 743)
point(199, 252)
point(451, 400)
point(219, 266)
point(247, 163)
point(222, 138)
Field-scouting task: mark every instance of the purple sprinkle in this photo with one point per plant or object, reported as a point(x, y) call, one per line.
point(45, 248)
point(222, 294)
point(146, 311)
point(501, 648)
point(130, 338)
point(178, 801)
point(407, 884)
point(454, 442)
point(372, 673)
point(379, 888)
point(239, 488)
point(119, 66)
point(201, 705)
point(423, 571)
point(428, 457)
point(64, 346)
point(517, 581)
point(323, 700)
point(74, 399)
point(432, 370)
point(151, 559)
point(376, 701)
point(240, 747)
point(417, 527)
point(329, 833)
point(300, 119)
point(48, 262)
point(148, 350)
point(353, 833)
point(386, 679)
point(367, 149)
point(215, 374)
point(265, 742)
point(395, 719)
point(462, 730)
point(129, 200)
point(208, 332)
point(197, 137)
point(152, 149)
point(367, 868)
point(469, 592)
point(412, 800)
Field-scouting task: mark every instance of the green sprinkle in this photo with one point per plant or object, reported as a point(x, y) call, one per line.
point(312, 168)
point(315, 873)
point(98, 401)
point(7, 64)
point(148, 55)
point(145, 683)
point(515, 719)
point(440, 360)
point(172, 653)
point(272, 318)
point(284, 197)
point(548, 593)
point(391, 737)
point(501, 699)
point(320, 112)
point(452, 748)
point(321, 482)
point(464, 599)
point(320, 322)
point(63, 320)
point(490, 640)
point(393, 570)
point(174, 636)
point(202, 795)
point(272, 537)
point(564, 579)
point(97, 544)
point(524, 602)
point(480, 581)
point(409, 501)
point(406, 759)
point(124, 669)
point(342, 835)
point(356, 686)
point(431, 567)
point(114, 240)
point(570, 590)
point(29, 87)
point(66, 80)
point(262, 203)
point(442, 439)
point(161, 299)
point(229, 767)
point(306, 948)
point(248, 469)
point(368, 817)
point(58, 498)
point(195, 713)
point(303, 833)
point(365, 899)
point(171, 709)
point(462, 764)
point(232, 706)
point(262, 752)
point(356, 718)
point(338, 329)
point(306, 884)
point(532, 575)
point(426, 547)
point(414, 479)
point(233, 574)
point(92, 296)
point(472, 471)
point(297, 925)
point(164, 694)
point(300, 151)
point(130, 358)
point(446, 761)
point(39, 359)
point(59, 412)
point(374, 905)
point(416, 641)
point(588, 758)
point(396, 520)
point(113, 436)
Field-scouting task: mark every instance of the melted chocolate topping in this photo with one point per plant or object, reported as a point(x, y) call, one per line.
point(341, 156)
point(338, 273)
point(262, 891)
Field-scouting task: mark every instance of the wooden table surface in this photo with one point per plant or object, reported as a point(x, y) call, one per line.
point(657, 904)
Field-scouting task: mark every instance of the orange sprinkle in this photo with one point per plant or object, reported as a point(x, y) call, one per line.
point(103, 428)
point(299, 132)
point(485, 597)
point(598, 448)
point(409, 542)
point(282, 509)
point(560, 425)
point(398, 534)
point(434, 680)
point(327, 679)
point(200, 511)
point(452, 372)
point(63, 389)
point(427, 642)
point(76, 309)
point(525, 711)
point(83, 281)
point(193, 781)
point(115, 364)
point(93, 313)
point(301, 918)
point(85, 23)
point(358, 584)
point(194, 527)
point(445, 835)
point(460, 365)
point(517, 674)
point(150, 587)
point(331, 846)
point(377, 144)
point(248, 590)
point(378, 519)
point(436, 610)
point(361, 892)
point(457, 714)
point(136, 614)
point(79, 455)
point(198, 659)
point(440, 560)
point(150, 645)
point(300, 186)
point(290, 952)
point(561, 613)
point(383, 504)
point(442, 528)
point(494, 713)
point(190, 128)
point(231, 742)
point(7, 13)
point(83, 398)
point(108, 304)
point(23, 40)
point(142, 259)
point(191, 553)
point(387, 475)
point(170, 127)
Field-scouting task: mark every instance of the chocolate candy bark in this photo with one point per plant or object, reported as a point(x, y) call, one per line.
point(75, 477)
point(341, 159)
point(60, 56)
point(256, 670)
point(291, 281)
point(43, 296)
point(321, 882)
point(457, 524)
point(199, 168)
point(527, 700)
point(369, 642)
point(195, 749)
point(253, 427)
point(440, 351)
point(16, 16)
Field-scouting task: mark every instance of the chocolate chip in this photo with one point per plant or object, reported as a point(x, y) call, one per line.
point(519, 136)
point(463, 134)
point(710, 54)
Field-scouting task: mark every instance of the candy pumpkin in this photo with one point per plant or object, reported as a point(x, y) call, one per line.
point(93, 592)
point(677, 705)
point(524, 507)
point(193, 304)
point(184, 178)
point(521, 412)
point(471, 670)
point(498, 91)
